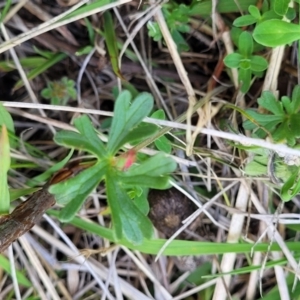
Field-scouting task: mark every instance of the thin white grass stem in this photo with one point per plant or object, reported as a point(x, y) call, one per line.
point(80, 74)
point(234, 234)
point(13, 10)
point(254, 275)
point(32, 275)
point(182, 74)
point(279, 148)
point(39, 268)
point(145, 269)
point(66, 239)
point(195, 290)
point(275, 234)
point(13, 273)
point(100, 270)
point(179, 281)
point(113, 274)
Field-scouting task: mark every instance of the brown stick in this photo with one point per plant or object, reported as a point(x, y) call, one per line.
point(28, 213)
point(24, 217)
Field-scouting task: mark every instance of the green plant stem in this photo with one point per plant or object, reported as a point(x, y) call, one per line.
point(176, 247)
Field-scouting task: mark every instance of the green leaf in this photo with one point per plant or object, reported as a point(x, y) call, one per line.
point(273, 33)
point(159, 114)
point(286, 102)
point(269, 102)
point(284, 123)
point(4, 167)
point(75, 190)
point(111, 42)
point(204, 8)
point(235, 33)
point(91, 31)
point(5, 10)
point(159, 182)
point(294, 125)
point(245, 78)
point(45, 175)
point(255, 168)
point(154, 31)
point(290, 188)
point(86, 140)
point(139, 133)
point(15, 194)
point(296, 99)
point(245, 64)
point(126, 117)
point(245, 44)
point(291, 13)
point(6, 119)
point(254, 11)
point(258, 63)
point(182, 45)
point(128, 220)
point(283, 133)
point(163, 144)
point(141, 201)
point(84, 50)
point(270, 15)
point(85, 127)
point(90, 6)
point(21, 278)
point(232, 60)
point(39, 69)
point(157, 165)
point(281, 6)
point(244, 21)
point(261, 119)
point(28, 62)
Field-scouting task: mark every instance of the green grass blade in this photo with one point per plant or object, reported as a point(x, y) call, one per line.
point(111, 42)
point(4, 167)
point(177, 247)
point(42, 68)
point(5, 265)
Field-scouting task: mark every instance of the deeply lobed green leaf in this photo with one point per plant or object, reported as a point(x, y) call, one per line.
point(126, 117)
point(128, 220)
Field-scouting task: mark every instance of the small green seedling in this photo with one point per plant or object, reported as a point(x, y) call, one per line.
point(124, 179)
point(60, 92)
point(272, 23)
point(282, 171)
point(283, 127)
point(246, 63)
point(257, 16)
point(283, 122)
point(177, 18)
